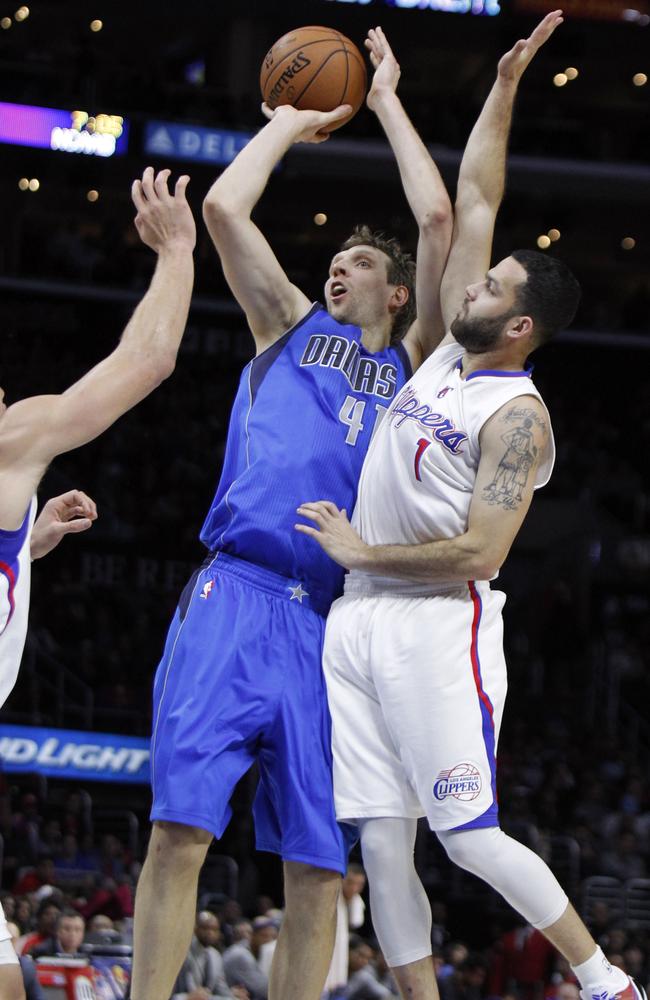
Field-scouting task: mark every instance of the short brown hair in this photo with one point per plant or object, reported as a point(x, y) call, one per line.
point(401, 271)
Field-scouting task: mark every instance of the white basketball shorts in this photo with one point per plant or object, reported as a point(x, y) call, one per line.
point(7, 954)
point(416, 687)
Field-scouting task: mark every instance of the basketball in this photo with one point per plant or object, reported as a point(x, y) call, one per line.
point(314, 69)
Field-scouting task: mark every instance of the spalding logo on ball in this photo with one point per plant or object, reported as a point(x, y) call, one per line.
point(314, 69)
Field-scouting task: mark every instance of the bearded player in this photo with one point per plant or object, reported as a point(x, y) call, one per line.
point(413, 656)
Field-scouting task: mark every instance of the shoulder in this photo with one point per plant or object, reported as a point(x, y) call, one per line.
point(522, 418)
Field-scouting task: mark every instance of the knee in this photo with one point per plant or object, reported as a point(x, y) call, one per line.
point(174, 845)
point(308, 889)
point(473, 850)
point(377, 848)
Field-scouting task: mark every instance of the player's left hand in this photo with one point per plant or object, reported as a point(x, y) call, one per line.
point(333, 532)
point(513, 64)
point(67, 514)
point(385, 65)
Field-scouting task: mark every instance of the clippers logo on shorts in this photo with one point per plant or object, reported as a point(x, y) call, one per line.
point(462, 782)
point(207, 590)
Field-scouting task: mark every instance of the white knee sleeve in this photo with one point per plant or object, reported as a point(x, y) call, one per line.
point(7, 953)
point(401, 914)
point(516, 872)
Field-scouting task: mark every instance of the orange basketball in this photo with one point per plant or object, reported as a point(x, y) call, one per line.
point(314, 68)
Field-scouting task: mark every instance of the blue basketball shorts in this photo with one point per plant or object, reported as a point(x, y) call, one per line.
point(241, 681)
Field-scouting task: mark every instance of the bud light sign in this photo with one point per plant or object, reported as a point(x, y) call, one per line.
point(68, 753)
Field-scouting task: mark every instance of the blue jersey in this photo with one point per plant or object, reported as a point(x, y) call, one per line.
point(299, 430)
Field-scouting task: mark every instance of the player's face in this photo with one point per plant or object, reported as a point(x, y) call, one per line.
point(357, 290)
point(487, 308)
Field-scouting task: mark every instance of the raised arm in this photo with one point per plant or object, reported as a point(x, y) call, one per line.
point(481, 179)
point(35, 430)
point(425, 192)
point(514, 442)
point(271, 302)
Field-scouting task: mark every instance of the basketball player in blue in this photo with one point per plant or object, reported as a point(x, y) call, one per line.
point(33, 431)
point(240, 679)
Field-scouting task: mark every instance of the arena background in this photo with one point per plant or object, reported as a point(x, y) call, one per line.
point(574, 751)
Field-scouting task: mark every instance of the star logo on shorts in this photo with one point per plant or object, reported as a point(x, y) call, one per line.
point(297, 593)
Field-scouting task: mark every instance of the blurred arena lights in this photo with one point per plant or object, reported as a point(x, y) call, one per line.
point(96, 25)
point(554, 235)
point(628, 243)
point(639, 79)
point(22, 14)
point(320, 219)
point(23, 184)
point(543, 242)
point(560, 79)
point(571, 73)
point(5, 23)
point(34, 184)
point(92, 195)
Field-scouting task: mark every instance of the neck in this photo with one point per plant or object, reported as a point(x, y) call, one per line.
point(494, 361)
point(376, 337)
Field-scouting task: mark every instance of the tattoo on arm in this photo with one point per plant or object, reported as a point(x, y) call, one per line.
point(509, 481)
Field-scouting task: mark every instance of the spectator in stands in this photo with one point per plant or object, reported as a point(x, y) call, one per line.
point(24, 914)
point(363, 980)
point(455, 954)
point(624, 859)
point(467, 982)
point(241, 961)
point(33, 990)
point(114, 898)
point(522, 961)
point(565, 991)
point(350, 914)
point(42, 874)
point(203, 970)
point(67, 937)
point(46, 918)
point(100, 929)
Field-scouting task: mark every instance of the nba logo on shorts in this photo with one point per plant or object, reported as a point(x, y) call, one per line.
point(462, 782)
point(207, 590)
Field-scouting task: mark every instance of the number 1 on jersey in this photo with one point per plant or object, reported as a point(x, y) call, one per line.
point(423, 444)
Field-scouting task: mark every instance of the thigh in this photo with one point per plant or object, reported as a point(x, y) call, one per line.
point(369, 778)
point(214, 693)
point(441, 680)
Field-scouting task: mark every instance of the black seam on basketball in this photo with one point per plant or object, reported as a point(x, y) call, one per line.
point(322, 66)
point(347, 74)
point(286, 55)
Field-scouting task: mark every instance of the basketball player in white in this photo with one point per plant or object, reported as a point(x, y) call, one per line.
point(33, 431)
point(413, 653)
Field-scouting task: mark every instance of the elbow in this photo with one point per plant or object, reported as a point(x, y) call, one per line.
point(436, 219)
point(484, 561)
point(218, 208)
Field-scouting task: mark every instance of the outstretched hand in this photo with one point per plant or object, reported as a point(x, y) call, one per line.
point(164, 221)
point(67, 514)
point(513, 64)
point(333, 532)
point(307, 126)
point(387, 71)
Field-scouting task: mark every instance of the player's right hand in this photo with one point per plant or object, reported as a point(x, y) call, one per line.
point(164, 221)
point(514, 63)
point(385, 65)
point(307, 126)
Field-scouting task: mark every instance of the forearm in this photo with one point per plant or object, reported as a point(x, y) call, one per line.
point(421, 180)
point(448, 560)
point(155, 330)
point(240, 186)
point(483, 167)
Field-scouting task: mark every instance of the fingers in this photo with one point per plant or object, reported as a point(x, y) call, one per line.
point(147, 184)
point(304, 529)
point(181, 187)
point(160, 185)
point(334, 116)
point(137, 195)
point(76, 526)
point(267, 111)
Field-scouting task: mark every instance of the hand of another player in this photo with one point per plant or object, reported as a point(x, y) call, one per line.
point(333, 532)
point(307, 126)
point(387, 71)
point(513, 64)
point(164, 221)
point(240, 992)
point(67, 514)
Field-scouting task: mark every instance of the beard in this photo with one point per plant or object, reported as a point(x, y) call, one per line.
point(479, 335)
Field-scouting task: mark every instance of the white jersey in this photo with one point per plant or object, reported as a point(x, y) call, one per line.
point(418, 477)
point(15, 578)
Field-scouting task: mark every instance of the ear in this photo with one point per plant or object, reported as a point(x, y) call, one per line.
point(399, 297)
point(520, 327)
